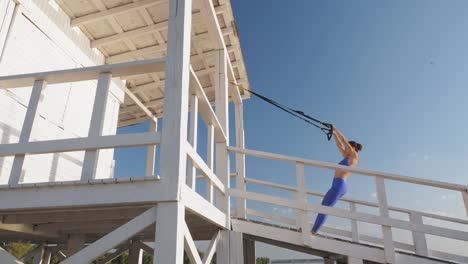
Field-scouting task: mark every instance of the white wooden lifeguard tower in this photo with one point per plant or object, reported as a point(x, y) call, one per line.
point(100, 64)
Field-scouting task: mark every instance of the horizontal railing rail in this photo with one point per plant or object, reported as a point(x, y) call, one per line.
point(299, 203)
point(331, 166)
point(95, 139)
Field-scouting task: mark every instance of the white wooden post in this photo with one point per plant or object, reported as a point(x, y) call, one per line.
point(354, 225)
point(151, 153)
point(210, 162)
point(97, 123)
point(389, 247)
point(169, 242)
point(236, 250)
point(240, 158)
point(222, 156)
point(301, 198)
point(222, 248)
point(173, 160)
point(26, 130)
point(465, 199)
point(192, 177)
point(135, 253)
point(419, 238)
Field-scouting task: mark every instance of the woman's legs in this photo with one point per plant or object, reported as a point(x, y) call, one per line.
point(337, 190)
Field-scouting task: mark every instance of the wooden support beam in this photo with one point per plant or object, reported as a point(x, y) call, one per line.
point(389, 247)
point(301, 197)
point(113, 11)
point(210, 162)
point(27, 229)
point(97, 125)
point(26, 130)
point(84, 74)
point(208, 13)
point(354, 224)
point(77, 144)
point(211, 249)
point(419, 239)
point(205, 109)
point(174, 134)
point(129, 34)
point(169, 242)
point(151, 151)
point(114, 238)
point(465, 200)
point(236, 252)
point(198, 205)
point(222, 113)
point(222, 248)
point(190, 247)
point(191, 175)
point(240, 158)
point(198, 162)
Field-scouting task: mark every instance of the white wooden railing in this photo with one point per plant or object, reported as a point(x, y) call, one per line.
point(301, 206)
point(95, 139)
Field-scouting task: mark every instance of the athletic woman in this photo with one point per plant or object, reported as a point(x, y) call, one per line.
point(349, 150)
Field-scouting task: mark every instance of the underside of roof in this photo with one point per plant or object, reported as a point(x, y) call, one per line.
point(129, 30)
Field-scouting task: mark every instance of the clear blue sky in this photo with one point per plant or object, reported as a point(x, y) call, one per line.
point(392, 75)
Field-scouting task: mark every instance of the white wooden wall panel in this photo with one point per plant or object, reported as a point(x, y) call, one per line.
point(65, 109)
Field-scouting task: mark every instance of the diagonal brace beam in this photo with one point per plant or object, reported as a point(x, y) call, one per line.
point(211, 249)
point(190, 247)
point(114, 238)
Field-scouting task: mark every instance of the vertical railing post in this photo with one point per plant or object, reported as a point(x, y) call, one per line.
point(151, 152)
point(192, 177)
point(221, 102)
point(389, 247)
point(210, 162)
point(301, 197)
point(354, 225)
point(26, 130)
point(465, 200)
point(91, 157)
point(419, 238)
point(240, 158)
point(169, 241)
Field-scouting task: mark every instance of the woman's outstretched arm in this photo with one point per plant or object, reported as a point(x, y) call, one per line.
point(347, 147)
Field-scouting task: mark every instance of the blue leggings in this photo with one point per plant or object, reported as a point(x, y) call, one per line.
point(337, 190)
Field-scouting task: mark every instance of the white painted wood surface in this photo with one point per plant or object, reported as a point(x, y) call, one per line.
point(190, 247)
point(419, 239)
point(151, 151)
point(169, 242)
point(97, 124)
point(193, 127)
point(26, 130)
point(240, 158)
point(114, 238)
point(174, 134)
point(211, 249)
point(389, 247)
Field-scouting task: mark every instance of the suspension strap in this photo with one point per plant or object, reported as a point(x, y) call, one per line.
point(324, 127)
